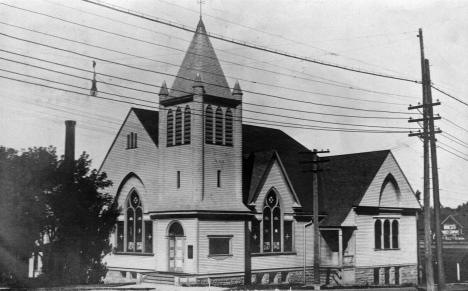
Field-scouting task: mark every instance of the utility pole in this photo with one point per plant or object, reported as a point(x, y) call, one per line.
point(315, 161)
point(429, 134)
point(435, 185)
point(429, 272)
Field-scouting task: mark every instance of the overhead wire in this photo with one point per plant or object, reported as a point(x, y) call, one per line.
point(333, 82)
point(201, 114)
point(246, 44)
point(172, 75)
point(253, 111)
point(171, 64)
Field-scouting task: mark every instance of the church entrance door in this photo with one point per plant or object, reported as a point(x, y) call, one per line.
point(176, 248)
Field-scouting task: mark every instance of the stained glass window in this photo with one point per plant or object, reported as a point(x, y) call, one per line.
point(138, 233)
point(273, 225)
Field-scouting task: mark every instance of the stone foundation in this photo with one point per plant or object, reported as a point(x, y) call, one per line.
point(396, 275)
point(121, 277)
point(222, 281)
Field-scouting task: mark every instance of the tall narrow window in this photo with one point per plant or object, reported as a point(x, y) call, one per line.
point(178, 127)
point(228, 122)
point(288, 236)
point(218, 178)
point(386, 230)
point(120, 236)
point(209, 125)
point(272, 217)
point(134, 223)
point(395, 244)
point(219, 126)
point(378, 234)
point(187, 125)
point(178, 179)
point(170, 128)
point(148, 236)
point(255, 237)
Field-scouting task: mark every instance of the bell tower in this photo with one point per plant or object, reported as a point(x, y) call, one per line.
point(200, 134)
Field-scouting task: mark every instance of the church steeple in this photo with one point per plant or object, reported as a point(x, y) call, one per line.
point(200, 58)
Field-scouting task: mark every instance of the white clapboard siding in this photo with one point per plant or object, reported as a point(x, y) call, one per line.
point(232, 264)
point(372, 195)
point(142, 161)
point(275, 178)
point(367, 256)
point(263, 263)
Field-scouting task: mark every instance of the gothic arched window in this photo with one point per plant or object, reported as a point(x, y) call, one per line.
point(386, 234)
point(178, 127)
point(272, 223)
point(170, 128)
point(134, 234)
point(187, 125)
point(209, 125)
point(228, 127)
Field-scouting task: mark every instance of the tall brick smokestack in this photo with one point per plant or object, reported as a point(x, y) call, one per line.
point(70, 140)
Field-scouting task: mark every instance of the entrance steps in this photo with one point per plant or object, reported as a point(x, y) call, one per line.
point(169, 278)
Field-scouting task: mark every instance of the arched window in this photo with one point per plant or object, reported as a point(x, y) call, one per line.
point(228, 127)
point(187, 125)
point(386, 234)
point(378, 234)
point(134, 223)
point(178, 127)
point(209, 125)
point(170, 128)
point(395, 235)
point(219, 126)
point(272, 218)
point(135, 234)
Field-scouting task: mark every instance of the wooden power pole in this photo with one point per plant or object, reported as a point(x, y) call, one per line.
point(428, 135)
point(315, 161)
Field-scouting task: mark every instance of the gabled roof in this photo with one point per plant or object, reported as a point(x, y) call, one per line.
point(150, 121)
point(346, 182)
point(200, 58)
point(258, 142)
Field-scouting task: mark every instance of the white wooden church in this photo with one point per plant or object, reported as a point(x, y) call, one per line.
point(205, 196)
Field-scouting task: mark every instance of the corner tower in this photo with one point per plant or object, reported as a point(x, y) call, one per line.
point(201, 134)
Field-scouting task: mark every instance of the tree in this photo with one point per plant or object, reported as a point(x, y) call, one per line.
point(81, 219)
point(64, 202)
point(23, 180)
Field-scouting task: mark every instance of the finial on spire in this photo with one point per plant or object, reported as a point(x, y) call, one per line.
point(198, 81)
point(200, 2)
point(94, 91)
point(163, 92)
point(237, 89)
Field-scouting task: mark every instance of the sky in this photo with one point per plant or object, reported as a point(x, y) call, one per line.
point(279, 91)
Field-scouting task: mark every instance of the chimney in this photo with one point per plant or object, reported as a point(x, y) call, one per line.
point(70, 140)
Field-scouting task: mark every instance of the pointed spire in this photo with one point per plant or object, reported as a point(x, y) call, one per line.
point(200, 57)
point(94, 91)
point(237, 89)
point(163, 92)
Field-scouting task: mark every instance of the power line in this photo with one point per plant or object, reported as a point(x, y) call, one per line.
point(144, 91)
point(452, 153)
point(171, 64)
point(121, 101)
point(453, 148)
point(246, 44)
point(449, 95)
point(253, 111)
point(454, 124)
point(334, 82)
point(446, 133)
point(172, 75)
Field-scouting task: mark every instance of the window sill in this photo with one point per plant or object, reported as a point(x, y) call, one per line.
point(220, 257)
point(385, 250)
point(131, 148)
point(133, 254)
point(177, 145)
point(274, 254)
